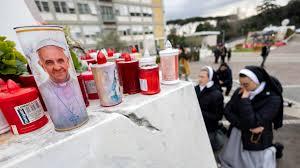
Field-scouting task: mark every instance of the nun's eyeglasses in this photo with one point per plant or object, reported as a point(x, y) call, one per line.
point(244, 84)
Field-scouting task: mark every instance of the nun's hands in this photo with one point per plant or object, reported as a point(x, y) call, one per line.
point(245, 93)
point(257, 130)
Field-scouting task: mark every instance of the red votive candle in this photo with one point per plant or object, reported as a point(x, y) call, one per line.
point(129, 74)
point(28, 81)
point(90, 85)
point(149, 79)
point(22, 108)
point(83, 90)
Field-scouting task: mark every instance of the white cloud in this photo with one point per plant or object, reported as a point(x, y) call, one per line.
point(180, 9)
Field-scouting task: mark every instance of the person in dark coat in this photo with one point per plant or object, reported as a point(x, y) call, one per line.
point(210, 100)
point(228, 54)
point(217, 54)
point(224, 74)
point(223, 53)
point(265, 50)
point(254, 110)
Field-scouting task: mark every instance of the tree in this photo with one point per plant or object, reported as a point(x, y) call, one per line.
point(175, 39)
point(267, 6)
point(205, 27)
point(111, 40)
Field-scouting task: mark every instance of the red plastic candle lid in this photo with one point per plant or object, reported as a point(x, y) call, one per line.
point(101, 59)
point(3, 86)
point(133, 50)
point(110, 53)
point(2, 82)
point(14, 91)
point(127, 57)
point(124, 54)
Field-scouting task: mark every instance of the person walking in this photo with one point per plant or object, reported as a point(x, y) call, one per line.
point(210, 100)
point(223, 53)
point(184, 64)
point(253, 111)
point(225, 77)
point(228, 54)
point(265, 50)
point(217, 54)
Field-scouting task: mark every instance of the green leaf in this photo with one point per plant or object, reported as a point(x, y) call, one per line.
point(8, 70)
point(2, 38)
point(20, 57)
point(76, 62)
point(21, 67)
point(9, 62)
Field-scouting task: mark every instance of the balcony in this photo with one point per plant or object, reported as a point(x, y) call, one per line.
point(109, 19)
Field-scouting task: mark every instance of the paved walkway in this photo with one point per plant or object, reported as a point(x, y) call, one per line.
point(284, 63)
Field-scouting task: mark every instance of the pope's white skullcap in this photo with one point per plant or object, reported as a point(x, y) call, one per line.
point(49, 42)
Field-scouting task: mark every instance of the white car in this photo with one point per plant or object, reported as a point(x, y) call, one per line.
point(297, 31)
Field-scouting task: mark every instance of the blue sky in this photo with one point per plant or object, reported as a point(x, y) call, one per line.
point(179, 9)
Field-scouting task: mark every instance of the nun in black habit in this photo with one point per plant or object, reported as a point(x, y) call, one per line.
point(210, 99)
point(253, 111)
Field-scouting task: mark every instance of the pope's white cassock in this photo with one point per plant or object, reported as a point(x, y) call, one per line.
point(64, 103)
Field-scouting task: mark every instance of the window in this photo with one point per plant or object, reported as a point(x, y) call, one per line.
point(137, 30)
point(60, 7)
point(107, 13)
point(64, 7)
point(71, 7)
point(38, 4)
point(45, 6)
point(42, 6)
point(84, 8)
point(121, 10)
point(147, 12)
point(148, 30)
point(72, 10)
point(56, 6)
point(124, 30)
point(135, 11)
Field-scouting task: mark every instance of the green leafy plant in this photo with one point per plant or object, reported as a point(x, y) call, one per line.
point(12, 62)
point(73, 44)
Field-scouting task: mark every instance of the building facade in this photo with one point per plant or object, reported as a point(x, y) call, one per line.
point(138, 22)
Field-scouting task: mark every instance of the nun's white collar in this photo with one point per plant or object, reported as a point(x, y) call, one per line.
point(257, 91)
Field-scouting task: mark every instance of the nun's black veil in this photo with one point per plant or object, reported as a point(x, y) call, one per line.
point(272, 84)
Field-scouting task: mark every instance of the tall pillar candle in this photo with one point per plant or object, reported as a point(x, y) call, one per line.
point(48, 55)
point(169, 64)
point(107, 84)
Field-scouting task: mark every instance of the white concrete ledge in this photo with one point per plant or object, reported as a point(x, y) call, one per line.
point(159, 131)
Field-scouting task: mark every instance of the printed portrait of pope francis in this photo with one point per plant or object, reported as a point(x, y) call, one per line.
point(61, 90)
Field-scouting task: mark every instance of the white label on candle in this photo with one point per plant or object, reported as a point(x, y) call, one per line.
point(90, 86)
point(30, 112)
point(143, 85)
point(14, 129)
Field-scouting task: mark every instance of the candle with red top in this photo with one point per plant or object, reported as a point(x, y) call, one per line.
point(22, 108)
point(129, 74)
point(89, 83)
point(134, 53)
point(88, 58)
point(106, 80)
point(149, 75)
